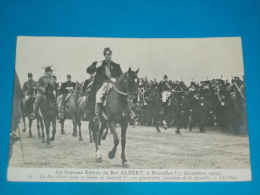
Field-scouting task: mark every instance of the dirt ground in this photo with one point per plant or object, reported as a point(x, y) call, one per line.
point(145, 149)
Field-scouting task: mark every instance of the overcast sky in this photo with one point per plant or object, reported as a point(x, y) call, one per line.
point(196, 58)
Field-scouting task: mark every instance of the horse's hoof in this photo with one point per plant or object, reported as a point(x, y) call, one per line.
point(158, 131)
point(48, 145)
point(104, 137)
point(178, 132)
point(24, 130)
point(125, 164)
point(99, 159)
point(62, 132)
point(111, 155)
point(30, 136)
point(80, 139)
point(39, 136)
point(165, 128)
point(52, 138)
point(91, 140)
point(74, 134)
point(43, 141)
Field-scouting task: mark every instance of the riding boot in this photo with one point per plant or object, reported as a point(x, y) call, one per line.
point(97, 111)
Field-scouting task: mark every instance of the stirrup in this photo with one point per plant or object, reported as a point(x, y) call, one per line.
point(32, 116)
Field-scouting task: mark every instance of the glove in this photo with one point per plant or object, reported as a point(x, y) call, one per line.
point(113, 80)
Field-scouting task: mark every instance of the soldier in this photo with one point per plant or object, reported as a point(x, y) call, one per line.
point(41, 87)
point(164, 89)
point(66, 90)
point(29, 88)
point(107, 73)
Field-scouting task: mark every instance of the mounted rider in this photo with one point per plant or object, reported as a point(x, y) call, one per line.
point(107, 73)
point(66, 90)
point(165, 89)
point(41, 87)
point(29, 88)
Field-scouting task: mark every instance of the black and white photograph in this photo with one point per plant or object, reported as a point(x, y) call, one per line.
point(139, 109)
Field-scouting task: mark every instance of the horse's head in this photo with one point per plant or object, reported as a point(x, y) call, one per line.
point(78, 88)
point(132, 83)
point(49, 92)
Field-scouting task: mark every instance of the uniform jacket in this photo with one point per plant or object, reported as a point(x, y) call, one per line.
point(29, 87)
point(100, 76)
point(63, 87)
point(43, 83)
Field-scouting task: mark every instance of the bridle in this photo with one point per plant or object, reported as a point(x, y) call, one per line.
point(128, 93)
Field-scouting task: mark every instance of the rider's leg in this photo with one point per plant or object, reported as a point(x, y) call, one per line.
point(36, 103)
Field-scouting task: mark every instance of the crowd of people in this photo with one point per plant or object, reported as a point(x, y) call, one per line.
point(206, 103)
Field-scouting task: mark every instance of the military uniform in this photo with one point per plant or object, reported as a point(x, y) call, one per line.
point(65, 89)
point(29, 89)
point(41, 86)
point(102, 82)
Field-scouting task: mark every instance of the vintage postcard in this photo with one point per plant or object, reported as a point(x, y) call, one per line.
point(129, 110)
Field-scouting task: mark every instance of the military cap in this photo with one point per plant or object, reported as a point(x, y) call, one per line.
point(68, 76)
point(192, 83)
point(30, 75)
point(165, 77)
point(48, 69)
point(107, 51)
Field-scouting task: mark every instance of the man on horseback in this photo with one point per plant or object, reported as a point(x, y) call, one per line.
point(107, 73)
point(66, 90)
point(165, 88)
point(41, 87)
point(29, 88)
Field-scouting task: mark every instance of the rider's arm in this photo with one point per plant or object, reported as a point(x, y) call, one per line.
point(39, 85)
point(93, 68)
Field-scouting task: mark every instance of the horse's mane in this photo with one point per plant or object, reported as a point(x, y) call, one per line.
point(122, 77)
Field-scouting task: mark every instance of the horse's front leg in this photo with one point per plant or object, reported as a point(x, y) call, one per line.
point(90, 133)
point(42, 127)
point(79, 124)
point(95, 128)
point(112, 153)
point(53, 128)
point(124, 125)
point(38, 127)
point(30, 128)
point(62, 125)
point(75, 133)
point(105, 134)
point(47, 126)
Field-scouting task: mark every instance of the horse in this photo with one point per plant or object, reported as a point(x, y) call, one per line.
point(49, 111)
point(72, 110)
point(26, 107)
point(170, 111)
point(81, 111)
point(116, 111)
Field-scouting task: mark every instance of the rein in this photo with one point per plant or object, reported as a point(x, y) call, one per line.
point(123, 93)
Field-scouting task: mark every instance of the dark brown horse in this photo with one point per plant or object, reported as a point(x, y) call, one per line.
point(117, 110)
point(71, 110)
point(49, 110)
point(26, 107)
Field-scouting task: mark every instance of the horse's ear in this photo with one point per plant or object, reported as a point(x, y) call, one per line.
point(129, 70)
point(77, 82)
point(137, 71)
